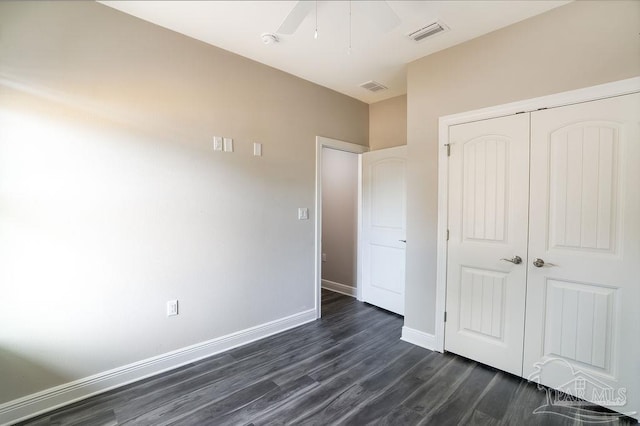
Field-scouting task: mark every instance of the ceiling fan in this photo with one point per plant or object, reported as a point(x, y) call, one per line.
point(378, 11)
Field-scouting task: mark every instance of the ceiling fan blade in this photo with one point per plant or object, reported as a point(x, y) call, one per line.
point(382, 14)
point(295, 17)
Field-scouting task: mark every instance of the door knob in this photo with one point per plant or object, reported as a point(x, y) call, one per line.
point(516, 260)
point(538, 263)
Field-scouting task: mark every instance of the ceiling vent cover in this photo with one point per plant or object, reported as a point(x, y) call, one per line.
point(428, 31)
point(373, 86)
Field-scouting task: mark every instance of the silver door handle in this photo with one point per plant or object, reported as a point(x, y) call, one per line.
point(403, 241)
point(539, 263)
point(516, 260)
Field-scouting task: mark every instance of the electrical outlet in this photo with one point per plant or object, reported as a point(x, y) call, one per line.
point(172, 308)
point(324, 257)
point(257, 149)
point(303, 213)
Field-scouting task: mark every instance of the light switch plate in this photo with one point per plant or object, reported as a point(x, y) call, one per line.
point(217, 143)
point(303, 213)
point(228, 145)
point(172, 308)
point(257, 149)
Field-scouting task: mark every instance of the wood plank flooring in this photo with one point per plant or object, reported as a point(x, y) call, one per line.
point(349, 368)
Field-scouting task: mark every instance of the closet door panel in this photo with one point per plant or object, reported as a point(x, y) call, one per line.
point(488, 210)
point(583, 321)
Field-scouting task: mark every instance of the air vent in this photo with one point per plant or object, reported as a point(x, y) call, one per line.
point(373, 86)
point(428, 31)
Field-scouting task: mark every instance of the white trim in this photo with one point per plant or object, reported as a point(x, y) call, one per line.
point(443, 211)
point(322, 142)
point(359, 234)
point(49, 399)
point(607, 90)
point(419, 338)
point(339, 288)
point(617, 88)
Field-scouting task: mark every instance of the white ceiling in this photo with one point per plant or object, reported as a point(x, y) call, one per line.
point(237, 26)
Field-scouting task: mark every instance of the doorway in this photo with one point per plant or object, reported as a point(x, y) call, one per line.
point(340, 178)
point(344, 156)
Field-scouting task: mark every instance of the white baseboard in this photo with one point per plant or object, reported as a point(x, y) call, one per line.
point(49, 399)
point(339, 288)
point(419, 338)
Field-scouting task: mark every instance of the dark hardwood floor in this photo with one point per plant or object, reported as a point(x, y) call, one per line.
point(348, 368)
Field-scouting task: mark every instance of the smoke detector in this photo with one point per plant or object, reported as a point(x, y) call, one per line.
point(269, 38)
point(373, 86)
point(428, 31)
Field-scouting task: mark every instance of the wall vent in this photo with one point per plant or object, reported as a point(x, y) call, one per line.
point(428, 31)
point(373, 86)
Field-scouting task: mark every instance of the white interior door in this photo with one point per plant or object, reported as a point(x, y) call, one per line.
point(384, 201)
point(583, 304)
point(488, 208)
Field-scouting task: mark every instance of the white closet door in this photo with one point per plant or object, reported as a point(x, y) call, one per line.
point(583, 305)
point(384, 230)
point(488, 196)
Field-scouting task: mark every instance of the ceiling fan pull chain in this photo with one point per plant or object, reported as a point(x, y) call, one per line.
point(315, 34)
point(349, 51)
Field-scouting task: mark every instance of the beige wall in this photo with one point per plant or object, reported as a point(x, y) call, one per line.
point(388, 123)
point(339, 216)
point(578, 45)
point(112, 200)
